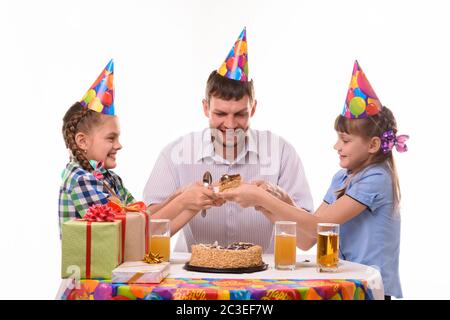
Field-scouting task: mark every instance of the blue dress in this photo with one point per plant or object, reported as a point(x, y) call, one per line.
point(372, 237)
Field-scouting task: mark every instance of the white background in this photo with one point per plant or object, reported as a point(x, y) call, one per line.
point(301, 56)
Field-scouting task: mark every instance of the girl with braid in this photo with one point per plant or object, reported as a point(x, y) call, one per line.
point(91, 133)
point(363, 196)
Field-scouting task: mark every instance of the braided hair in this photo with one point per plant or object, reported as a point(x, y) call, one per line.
point(373, 126)
point(79, 119)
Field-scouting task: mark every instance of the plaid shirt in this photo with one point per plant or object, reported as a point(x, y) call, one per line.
point(80, 189)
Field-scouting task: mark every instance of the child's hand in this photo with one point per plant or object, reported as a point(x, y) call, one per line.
point(263, 210)
point(274, 190)
point(196, 197)
point(217, 202)
point(246, 195)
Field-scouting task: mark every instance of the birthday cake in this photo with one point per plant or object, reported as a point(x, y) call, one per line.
point(229, 181)
point(235, 255)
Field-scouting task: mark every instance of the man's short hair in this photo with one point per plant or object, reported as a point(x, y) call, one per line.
point(228, 89)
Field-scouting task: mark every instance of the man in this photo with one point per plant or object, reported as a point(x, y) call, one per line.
point(174, 189)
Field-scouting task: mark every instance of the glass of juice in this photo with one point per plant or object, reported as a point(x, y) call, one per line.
point(160, 238)
point(285, 245)
point(327, 247)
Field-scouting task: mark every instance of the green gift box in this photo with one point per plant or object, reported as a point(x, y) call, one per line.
point(90, 249)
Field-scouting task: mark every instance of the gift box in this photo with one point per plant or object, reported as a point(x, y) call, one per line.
point(140, 272)
point(93, 249)
point(135, 233)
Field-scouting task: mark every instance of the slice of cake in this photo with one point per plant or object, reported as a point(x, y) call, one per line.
point(236, 255)
point(229, 181)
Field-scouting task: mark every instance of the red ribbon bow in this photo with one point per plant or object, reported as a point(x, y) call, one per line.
point(96, 213)
point(100, 213)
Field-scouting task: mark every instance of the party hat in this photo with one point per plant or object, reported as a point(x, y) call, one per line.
point(361, 101)
point(100, 96)
point(235, 65)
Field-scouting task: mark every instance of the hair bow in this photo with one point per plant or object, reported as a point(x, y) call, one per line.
point(389, 140)
point(99, 169)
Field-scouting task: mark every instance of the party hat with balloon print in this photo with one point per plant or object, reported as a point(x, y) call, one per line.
point(361, 101)
point(235, 65)
point(100, 96)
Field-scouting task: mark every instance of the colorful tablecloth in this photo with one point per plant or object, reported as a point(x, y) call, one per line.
point(222, 289)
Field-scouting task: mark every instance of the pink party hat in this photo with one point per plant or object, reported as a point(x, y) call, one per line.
point(100, 96)
point(361, 101)
point(235, 65)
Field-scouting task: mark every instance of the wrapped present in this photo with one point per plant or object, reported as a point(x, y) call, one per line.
point(93, 247)
point(134, 235)
point(140, 272)
point(134, 229)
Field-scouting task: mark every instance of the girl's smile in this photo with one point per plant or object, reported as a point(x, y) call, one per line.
point(353, 150)
point(112, 155)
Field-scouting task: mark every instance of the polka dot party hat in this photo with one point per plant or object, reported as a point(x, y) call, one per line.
point(361, 101)
point(235, 65)
point(100, 96)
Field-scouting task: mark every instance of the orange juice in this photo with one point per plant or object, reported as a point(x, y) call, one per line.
point(285, 247)
point(160, 244)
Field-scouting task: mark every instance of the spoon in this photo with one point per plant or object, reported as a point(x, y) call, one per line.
point(207, 180)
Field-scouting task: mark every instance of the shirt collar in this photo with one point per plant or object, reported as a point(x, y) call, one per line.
point(206, 148)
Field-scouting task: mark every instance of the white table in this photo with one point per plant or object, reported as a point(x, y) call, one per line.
point(305, 270)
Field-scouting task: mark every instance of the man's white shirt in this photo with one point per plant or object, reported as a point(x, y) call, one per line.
point(265, 156)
